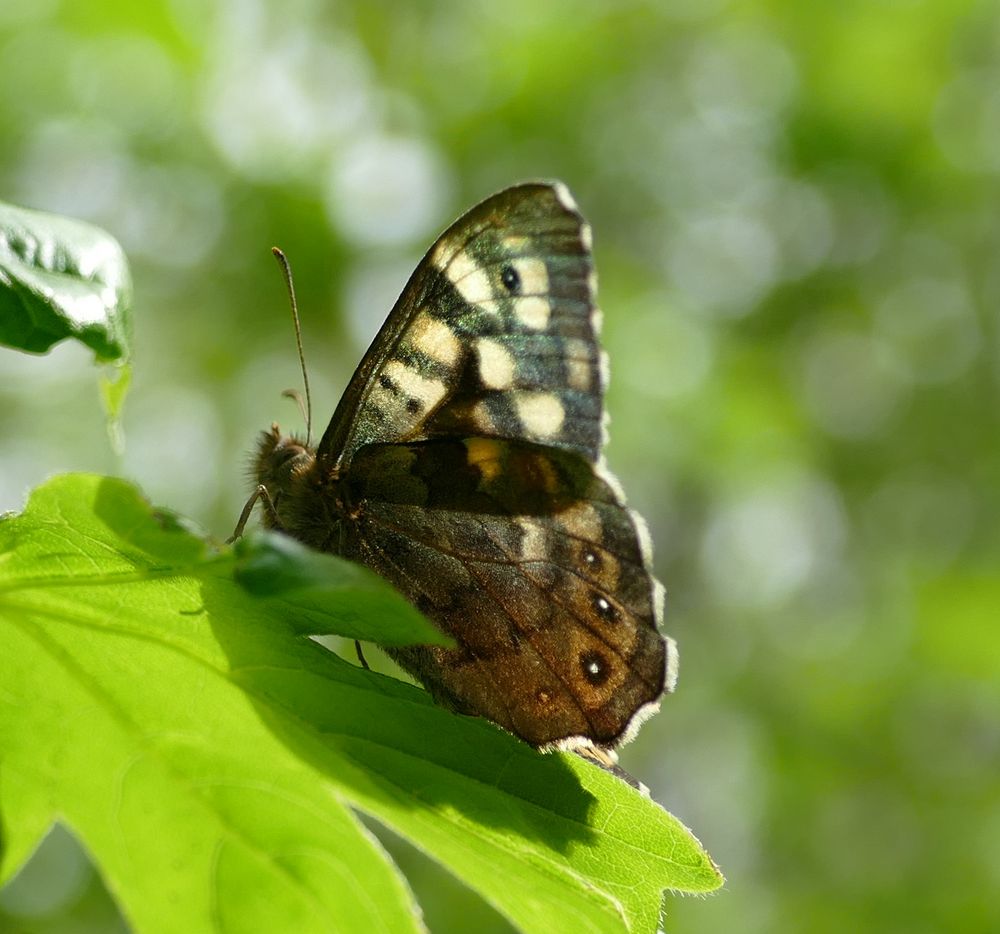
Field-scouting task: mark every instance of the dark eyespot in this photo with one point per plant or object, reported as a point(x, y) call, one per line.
point(595, 668)
point(386, 383)
point(603, 608)
point(592, 560)
point(510, 279)
point(413, 406)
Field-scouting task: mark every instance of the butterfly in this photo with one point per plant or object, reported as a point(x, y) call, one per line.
point(464, 465)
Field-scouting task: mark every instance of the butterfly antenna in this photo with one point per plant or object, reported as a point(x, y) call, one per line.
point(287, 271)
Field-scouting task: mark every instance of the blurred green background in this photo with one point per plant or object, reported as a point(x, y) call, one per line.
point(796, 224)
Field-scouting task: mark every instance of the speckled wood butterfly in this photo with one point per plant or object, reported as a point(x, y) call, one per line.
point(464, 465)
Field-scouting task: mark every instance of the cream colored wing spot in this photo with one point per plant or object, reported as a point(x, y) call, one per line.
point(533, 545)
point(533, 312)
point(496, 364)
point(443, 252)
point(428, 392)
point(434, 338)
point(533, 274)
point(541, 413)
point(471, 279)
point(577, 364)
point(441, 255)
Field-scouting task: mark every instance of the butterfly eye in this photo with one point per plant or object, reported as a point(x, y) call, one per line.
point(510, 279)
point(595, 667)
point(284, 456)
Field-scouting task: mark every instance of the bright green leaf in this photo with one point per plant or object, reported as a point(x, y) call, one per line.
point(309, 582)
point(211, 759)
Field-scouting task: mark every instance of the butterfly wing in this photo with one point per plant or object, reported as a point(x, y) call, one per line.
point(529, 559)
point(494, 335)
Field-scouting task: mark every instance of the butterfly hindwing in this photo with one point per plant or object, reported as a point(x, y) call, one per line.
point(494, 335)
point(526, 556)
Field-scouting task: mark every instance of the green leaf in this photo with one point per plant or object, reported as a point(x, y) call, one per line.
point(114, 386)
point(211, 759)
point(62, 278)
point(309, 582)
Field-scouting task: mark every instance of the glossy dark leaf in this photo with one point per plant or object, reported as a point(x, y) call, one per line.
point(62, 278)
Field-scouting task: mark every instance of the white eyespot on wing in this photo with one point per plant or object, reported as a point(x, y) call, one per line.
point(533, 312)
point(496, 364)
point(433, 337)
point(541, 413)
point(470, 278)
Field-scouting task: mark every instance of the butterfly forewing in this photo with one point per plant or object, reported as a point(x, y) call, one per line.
point(464, 465)
point(494, 335)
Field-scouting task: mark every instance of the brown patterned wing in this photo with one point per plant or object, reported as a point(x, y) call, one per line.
point(495, 335)
point(465, 463)
point(530, 560)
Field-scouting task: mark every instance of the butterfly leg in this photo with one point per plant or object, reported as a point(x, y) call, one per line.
point(262, 494)
point(607, 759)
point(361, 656)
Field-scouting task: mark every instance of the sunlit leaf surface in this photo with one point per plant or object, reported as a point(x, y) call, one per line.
point(212, 760)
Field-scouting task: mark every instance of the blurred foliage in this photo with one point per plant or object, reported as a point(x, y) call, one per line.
point(796, 219)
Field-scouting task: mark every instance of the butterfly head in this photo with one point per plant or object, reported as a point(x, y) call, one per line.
point(279, 463)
